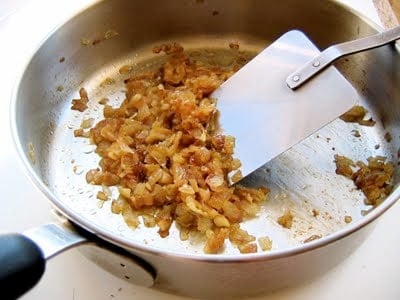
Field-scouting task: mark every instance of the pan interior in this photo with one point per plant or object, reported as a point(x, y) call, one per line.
point(85, 51)
point(301, 180)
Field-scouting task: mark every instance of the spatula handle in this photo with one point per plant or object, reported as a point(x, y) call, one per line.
point(332, 53)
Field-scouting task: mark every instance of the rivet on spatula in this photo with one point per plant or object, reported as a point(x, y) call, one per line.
point(316, 64)
point(296, 78)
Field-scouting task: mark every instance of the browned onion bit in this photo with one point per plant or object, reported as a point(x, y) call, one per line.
point(163, 150)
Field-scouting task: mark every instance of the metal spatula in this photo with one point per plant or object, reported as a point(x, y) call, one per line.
point(267, 107)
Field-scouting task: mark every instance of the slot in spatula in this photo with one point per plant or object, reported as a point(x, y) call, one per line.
point(269, 107)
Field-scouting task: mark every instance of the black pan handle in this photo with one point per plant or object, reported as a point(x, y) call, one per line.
point(23, 256)
point(22, 264)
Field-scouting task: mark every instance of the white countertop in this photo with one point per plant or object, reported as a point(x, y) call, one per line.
point(370, 273)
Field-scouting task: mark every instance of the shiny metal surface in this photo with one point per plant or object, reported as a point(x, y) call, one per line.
point(53, 239)
point(258, 108)
point(334, 52)
point(121, 264)
point(302, 179)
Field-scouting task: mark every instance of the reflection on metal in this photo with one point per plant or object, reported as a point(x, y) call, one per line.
point(305, 174)
point(265, 116)
point(121, 264)
point(334, 52)
point(54, 239)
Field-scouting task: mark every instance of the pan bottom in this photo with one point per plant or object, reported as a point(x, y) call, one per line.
point(302, 180)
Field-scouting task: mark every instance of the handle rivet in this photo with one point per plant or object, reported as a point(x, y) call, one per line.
point(296, 78)
point(316, 64)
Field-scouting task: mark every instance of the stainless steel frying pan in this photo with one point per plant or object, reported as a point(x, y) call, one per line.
point(301, 179)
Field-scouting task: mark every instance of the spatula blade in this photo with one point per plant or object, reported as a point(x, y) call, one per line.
point(267, 117)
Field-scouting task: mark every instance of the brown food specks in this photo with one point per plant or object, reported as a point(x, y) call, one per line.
point(356, 133)
point(265, 243)
point(81, 103)
point(286, 220)
point(125, 69)
point(31, 153)
point(356, 115)
point(110, 34)
point(312, 238)
point(107, 81)
point(388, 137)
point(373, 179)
point(348, 219)
point(85, 42)
point(169, 162)
point(234, 45)
point(106, 36)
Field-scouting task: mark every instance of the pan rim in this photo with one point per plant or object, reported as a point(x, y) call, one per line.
point(135, 246)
